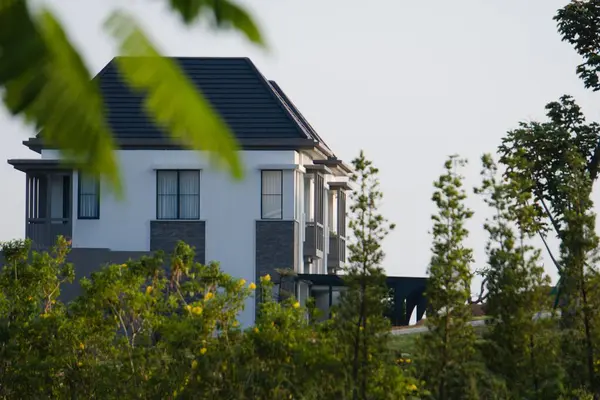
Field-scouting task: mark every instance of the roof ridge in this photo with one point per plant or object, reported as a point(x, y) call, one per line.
point(277, 98)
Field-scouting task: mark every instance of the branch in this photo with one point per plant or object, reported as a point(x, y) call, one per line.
point(594, 163)
point(552, 220)
point(481, 298)
point(556, 264)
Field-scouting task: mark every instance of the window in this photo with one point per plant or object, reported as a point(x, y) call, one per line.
point(178, 194)
point(299, 182)
point(88, 206)
point(272, 194)
point(319, 199)
point(341, 212)
point(308, 199)
point(332, 211)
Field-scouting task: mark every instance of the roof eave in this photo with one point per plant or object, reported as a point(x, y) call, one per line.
point(335, 163)
point(37, 144)
point(27, 165)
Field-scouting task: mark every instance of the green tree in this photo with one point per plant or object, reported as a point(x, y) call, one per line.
point(579, 24)
point(520, 346)
point(359, 325)
point(557, 162)
point(44, 79)
point(143, 330)
point(447, 350)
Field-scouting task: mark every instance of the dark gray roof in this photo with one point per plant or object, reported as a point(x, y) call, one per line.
point(308, 127)
point(251, 106)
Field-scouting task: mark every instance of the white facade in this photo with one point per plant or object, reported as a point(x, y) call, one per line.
point(229, 207)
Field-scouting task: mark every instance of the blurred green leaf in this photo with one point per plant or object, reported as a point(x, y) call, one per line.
point(225, 14)
point(45, 80)
point(170, 97)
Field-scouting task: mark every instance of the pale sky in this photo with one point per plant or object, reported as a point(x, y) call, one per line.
point(410, 82)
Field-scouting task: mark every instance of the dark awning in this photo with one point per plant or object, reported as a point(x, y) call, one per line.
point(39, 164)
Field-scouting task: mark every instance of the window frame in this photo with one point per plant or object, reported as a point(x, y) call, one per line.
point(178, 216)
point(262, 194)
point(80, 174)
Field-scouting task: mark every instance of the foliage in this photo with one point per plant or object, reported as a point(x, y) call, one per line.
point(139, 330)
point(520, 350)
point(579, 25)
point(359, 325)
point(447, 351)
point(44, 79)
point(557, 162)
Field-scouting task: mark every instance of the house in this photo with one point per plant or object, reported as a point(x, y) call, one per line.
point(288, 212)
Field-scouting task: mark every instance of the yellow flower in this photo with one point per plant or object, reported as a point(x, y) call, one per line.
point(79, 363)
point(148, 289)
point(407, 361)
point(188, 307)
point(235, 324)
point(203, 350)
point(255, 329)
point(242, 282)
point(209, 296)
point(123, 265)
point(52, 301)
point(252, 286)
point(267, 278)
point(81, 346)
point(194, 364)
point(412, 387)
point(296, 304)
point(197, 310)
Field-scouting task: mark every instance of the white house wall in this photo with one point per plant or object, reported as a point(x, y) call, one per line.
point(229, 207)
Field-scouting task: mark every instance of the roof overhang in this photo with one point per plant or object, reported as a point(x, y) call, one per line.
point(37, 144)
point(28, 165)
point(333, 162)
point(413, 283)
point(318, 167)
point(339, 185)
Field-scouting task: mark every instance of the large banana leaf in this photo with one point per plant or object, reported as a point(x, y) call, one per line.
point(43, 78)
point(224, 12)
point(170, 98)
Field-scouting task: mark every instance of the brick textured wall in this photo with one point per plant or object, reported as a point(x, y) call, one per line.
point(164, 235)
point(276, 248)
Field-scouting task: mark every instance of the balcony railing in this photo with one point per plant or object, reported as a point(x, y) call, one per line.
point(314, 240)
point(337, 252)
point(44, 231)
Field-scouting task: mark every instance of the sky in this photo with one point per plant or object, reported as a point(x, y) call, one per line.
point(408, 82)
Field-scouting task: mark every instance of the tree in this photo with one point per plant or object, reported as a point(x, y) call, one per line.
point(359, 323)
point(44, 79)
point(519, 348)
point(557, 162)
point(447, 350)
point(579, 24)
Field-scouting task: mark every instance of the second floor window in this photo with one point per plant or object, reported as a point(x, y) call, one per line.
point(88, 197)
point(272, 194)
point(178, 194)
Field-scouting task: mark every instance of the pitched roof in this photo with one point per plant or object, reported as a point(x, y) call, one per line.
point(298, 114)
point(251, 106)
